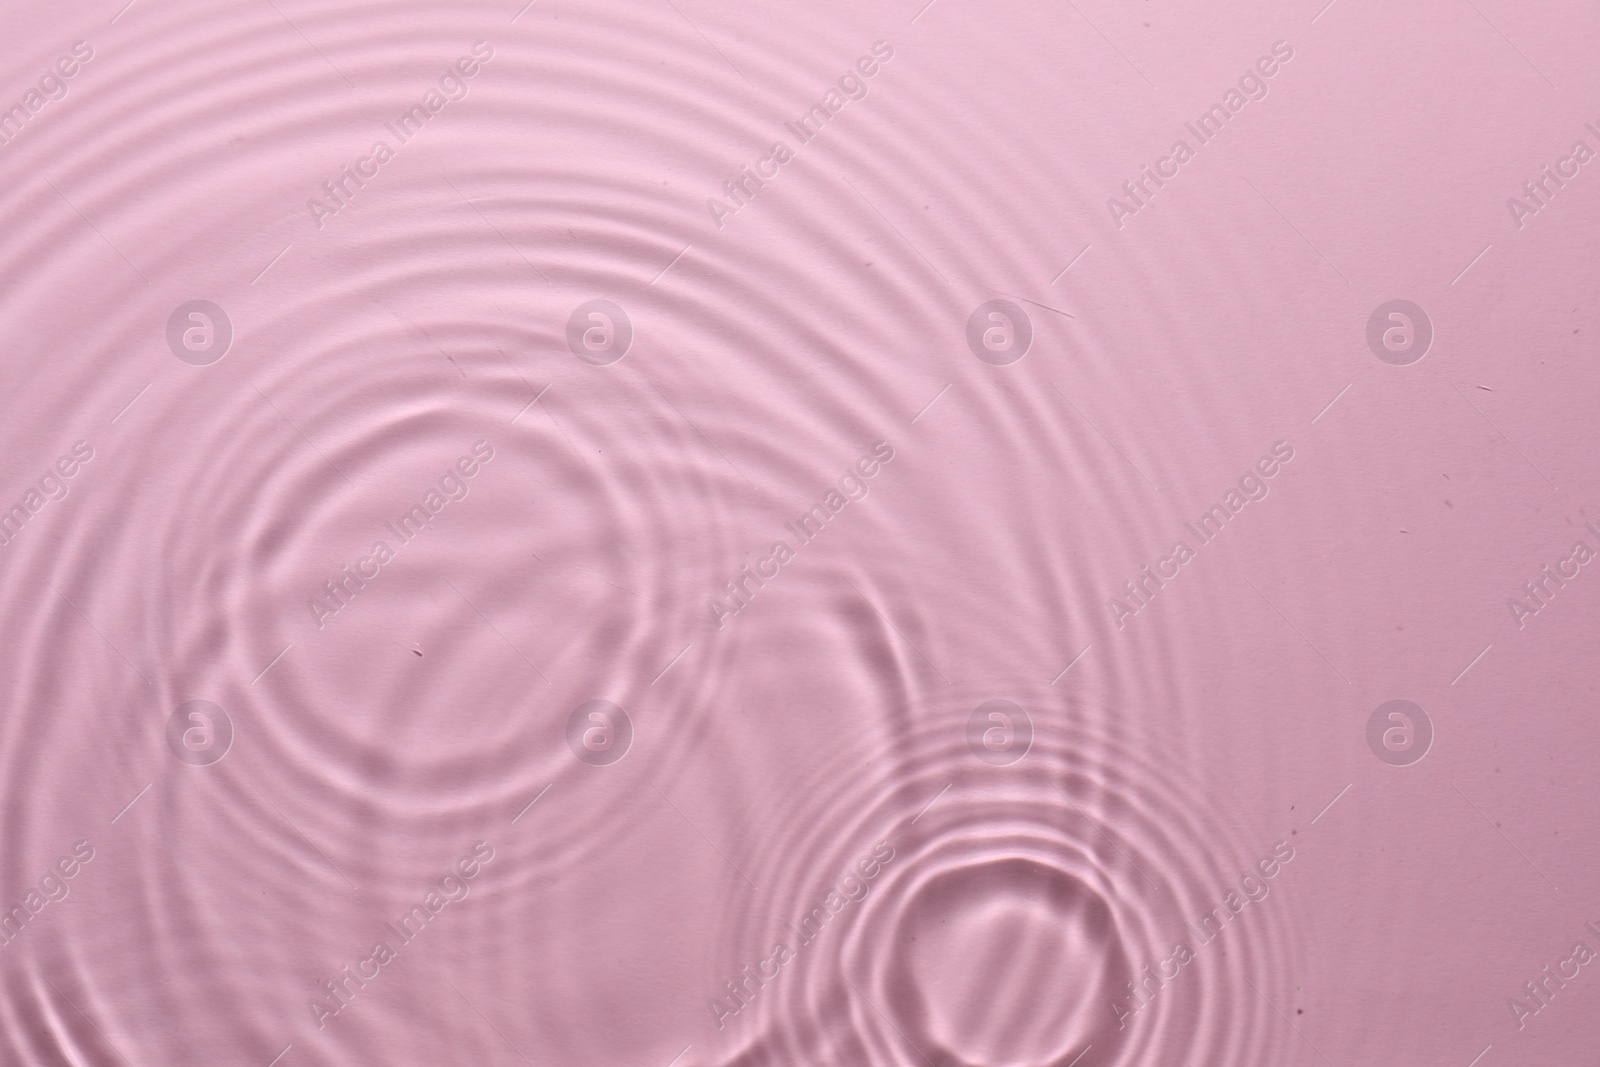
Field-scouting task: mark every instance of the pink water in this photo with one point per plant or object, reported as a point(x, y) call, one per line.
point(702, 534)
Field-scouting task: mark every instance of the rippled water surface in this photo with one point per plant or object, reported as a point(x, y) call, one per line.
point(696, 534)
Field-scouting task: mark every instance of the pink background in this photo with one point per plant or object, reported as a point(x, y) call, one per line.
point(984, 898)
